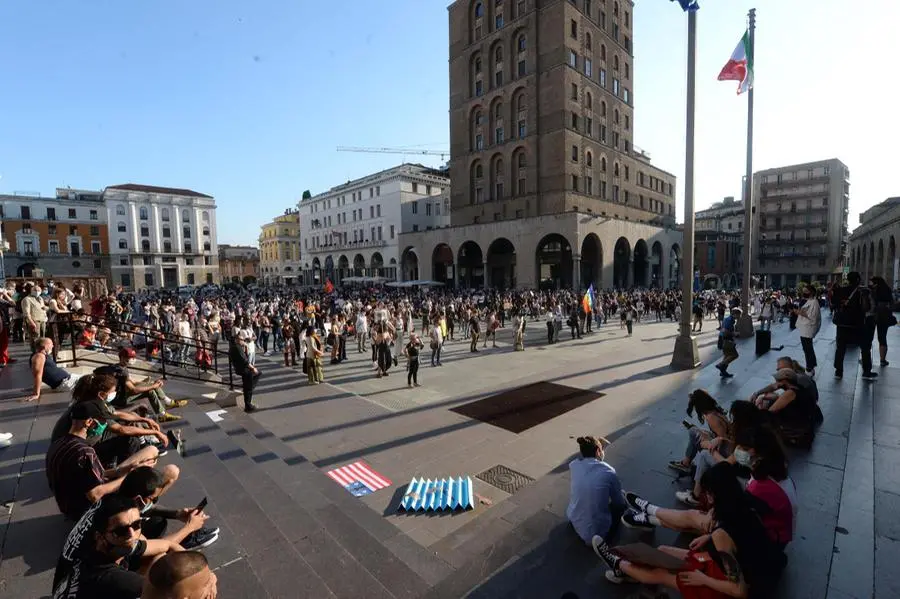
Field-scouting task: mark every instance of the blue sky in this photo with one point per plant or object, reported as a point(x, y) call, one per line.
point(247, 101)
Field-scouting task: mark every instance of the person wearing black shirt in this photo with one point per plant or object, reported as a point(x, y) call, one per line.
point(412, 352)
point(104, 553)
point(242, 366)
point(474, 331)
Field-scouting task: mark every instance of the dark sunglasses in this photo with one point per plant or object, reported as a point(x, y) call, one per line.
point(125, 530)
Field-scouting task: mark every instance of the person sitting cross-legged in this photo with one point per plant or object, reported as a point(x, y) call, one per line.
point(708, 412)
point(736, 558)
point(596, 501)
point(107, 555)
point(181, 575)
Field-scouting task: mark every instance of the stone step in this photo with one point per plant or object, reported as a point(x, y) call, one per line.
point(300, 510)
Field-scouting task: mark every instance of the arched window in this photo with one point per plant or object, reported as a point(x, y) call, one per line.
point(164, 214)
point(205, 216)
point(123, 244)
point(477, 135)
point(121, 227)
point(499, 132)
point(145, 214)
point(476, 184)
point(479, 172)
point(476, 82)
point(185, 215)
point(603, 108)
point(616, 8)
point(602, 51)
point(145, 246)
point(522, 43)
point(206, 230)
point(120, 210)
point(588, 41)
point(523, 161)
point(479, 10)
point(615, 62)
point(589, 101)
point(498, 54)
point(603, 163)
point(589, 159)
point(477, 65)
point(616, 116)
point(616, 169)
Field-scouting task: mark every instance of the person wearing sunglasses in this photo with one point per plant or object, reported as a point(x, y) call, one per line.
point(108, 555)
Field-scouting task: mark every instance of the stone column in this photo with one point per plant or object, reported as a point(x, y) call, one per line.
point(484, 274)
point(176, 224)
point(576, 272)
point(155, 229)
point(629, 278)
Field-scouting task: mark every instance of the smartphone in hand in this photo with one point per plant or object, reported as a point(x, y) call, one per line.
point(201, 506)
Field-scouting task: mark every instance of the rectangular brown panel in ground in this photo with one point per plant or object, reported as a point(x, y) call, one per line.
point(520, 409)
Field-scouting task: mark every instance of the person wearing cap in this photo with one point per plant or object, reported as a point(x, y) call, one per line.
point(127, 392)
point(596, 502)
point(74, 471)
point(45, 371)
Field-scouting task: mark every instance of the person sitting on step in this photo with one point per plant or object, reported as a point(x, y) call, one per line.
point(127, 392)
point(736, 558)
point(708, 412)
point(45, 371)
point(795, 413)
point(770, 485)
point(596, 502)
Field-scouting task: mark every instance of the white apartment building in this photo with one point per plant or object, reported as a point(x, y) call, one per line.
point(354, 229)
point(161, 236)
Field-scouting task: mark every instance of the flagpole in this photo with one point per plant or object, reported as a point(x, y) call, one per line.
point(745, 324)
point(686, 354)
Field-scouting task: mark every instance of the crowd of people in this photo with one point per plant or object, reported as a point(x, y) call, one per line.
point(103, 461)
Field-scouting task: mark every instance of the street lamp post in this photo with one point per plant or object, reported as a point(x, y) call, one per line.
point(686, 354)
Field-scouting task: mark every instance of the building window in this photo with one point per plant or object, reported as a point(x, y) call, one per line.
point(498, 135)
point(190, 278)
point(589, 185)
point(53, 246)
point(392, 231)
point(428, 209)
point(94, 230)
point(120, 210)
point(574, 92)
point(627, 122)
point(166, 232)
point(615, 193)
point(144, 213)
point(573, 29)
point(206, 229)
point(186, 232)
point(164, 214)
point(415, 228)
point(574, 121)
point(206, 246)
point(602, 77)
point(589, 127)
point(574, 182)
point(574, 153)
point(627, 71)
point(145, 246)
point(148, 279)
point(626, 95)
point(588, 67)
point(73, 213)
point(205, 216)
point(573, 59)
point(93, 215)
point(415, 207)
point(121, 227)
point(522, 129)
point(145, 231)
point(123, 245)
point(521, 43)
point(615, 87)
point(126, 279)
point(188, 248)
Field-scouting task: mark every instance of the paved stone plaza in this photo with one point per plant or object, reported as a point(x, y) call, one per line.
point(290, 531)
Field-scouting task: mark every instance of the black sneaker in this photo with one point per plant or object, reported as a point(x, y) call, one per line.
point(838, 374)
point(884, 363)
point(678, 466)
point(727, 375)
point(635, 502)
point(201, 538)
point(611, 559)
point(637, 520)
point(870, 375)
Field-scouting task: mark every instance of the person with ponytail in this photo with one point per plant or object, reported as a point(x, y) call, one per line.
point(596, 502)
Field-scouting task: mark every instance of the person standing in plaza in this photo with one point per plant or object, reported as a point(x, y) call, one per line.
point(853, 306)
point(809, 321)
point(412, 350)
point(314, 352)
point(884, 314)
point(727, 343)
point(474, 330)
point(437, 344)
point(34, 313)
point(247, 371)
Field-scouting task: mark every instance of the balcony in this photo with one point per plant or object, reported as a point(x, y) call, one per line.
point(15, 254)
point(770, 225)
point(767, 253)
point(350, 245)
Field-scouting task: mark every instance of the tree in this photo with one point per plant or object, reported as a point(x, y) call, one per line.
point(306, 195)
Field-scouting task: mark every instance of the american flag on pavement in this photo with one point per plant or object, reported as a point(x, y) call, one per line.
point(359, 478)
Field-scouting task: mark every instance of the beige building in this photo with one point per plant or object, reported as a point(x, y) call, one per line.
point(800, 224)
point(873, 245)
point(238, 263)
point(279, 250)
point(547, 186)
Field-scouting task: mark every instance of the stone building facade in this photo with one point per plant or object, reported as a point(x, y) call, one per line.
point(64, 235)
point(541, 114)
point(719, 244)
point(238, 264)
point(559, 251)
point(873, 244)
point(279, 249)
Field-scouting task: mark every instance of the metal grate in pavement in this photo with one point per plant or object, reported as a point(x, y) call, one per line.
point(505, 479)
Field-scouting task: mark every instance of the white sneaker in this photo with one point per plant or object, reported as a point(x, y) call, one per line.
point(5, 442)
point(5, 436)
point(687, 498)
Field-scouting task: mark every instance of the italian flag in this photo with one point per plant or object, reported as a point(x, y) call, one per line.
point(740, 66)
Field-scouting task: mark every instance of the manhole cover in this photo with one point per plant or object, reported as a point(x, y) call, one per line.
point(505, 478)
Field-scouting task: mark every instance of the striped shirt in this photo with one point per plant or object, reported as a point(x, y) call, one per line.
point(73, 469)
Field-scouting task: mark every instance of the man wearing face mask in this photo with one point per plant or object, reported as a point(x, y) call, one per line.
point(34, 314)
point(74, 471)
point(104, 554)
point(127, 392)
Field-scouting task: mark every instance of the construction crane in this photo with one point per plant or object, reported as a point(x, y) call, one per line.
point(442, 154)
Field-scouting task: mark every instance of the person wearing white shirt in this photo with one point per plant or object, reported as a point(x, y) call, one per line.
point(362, 331)
point(809, 321)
